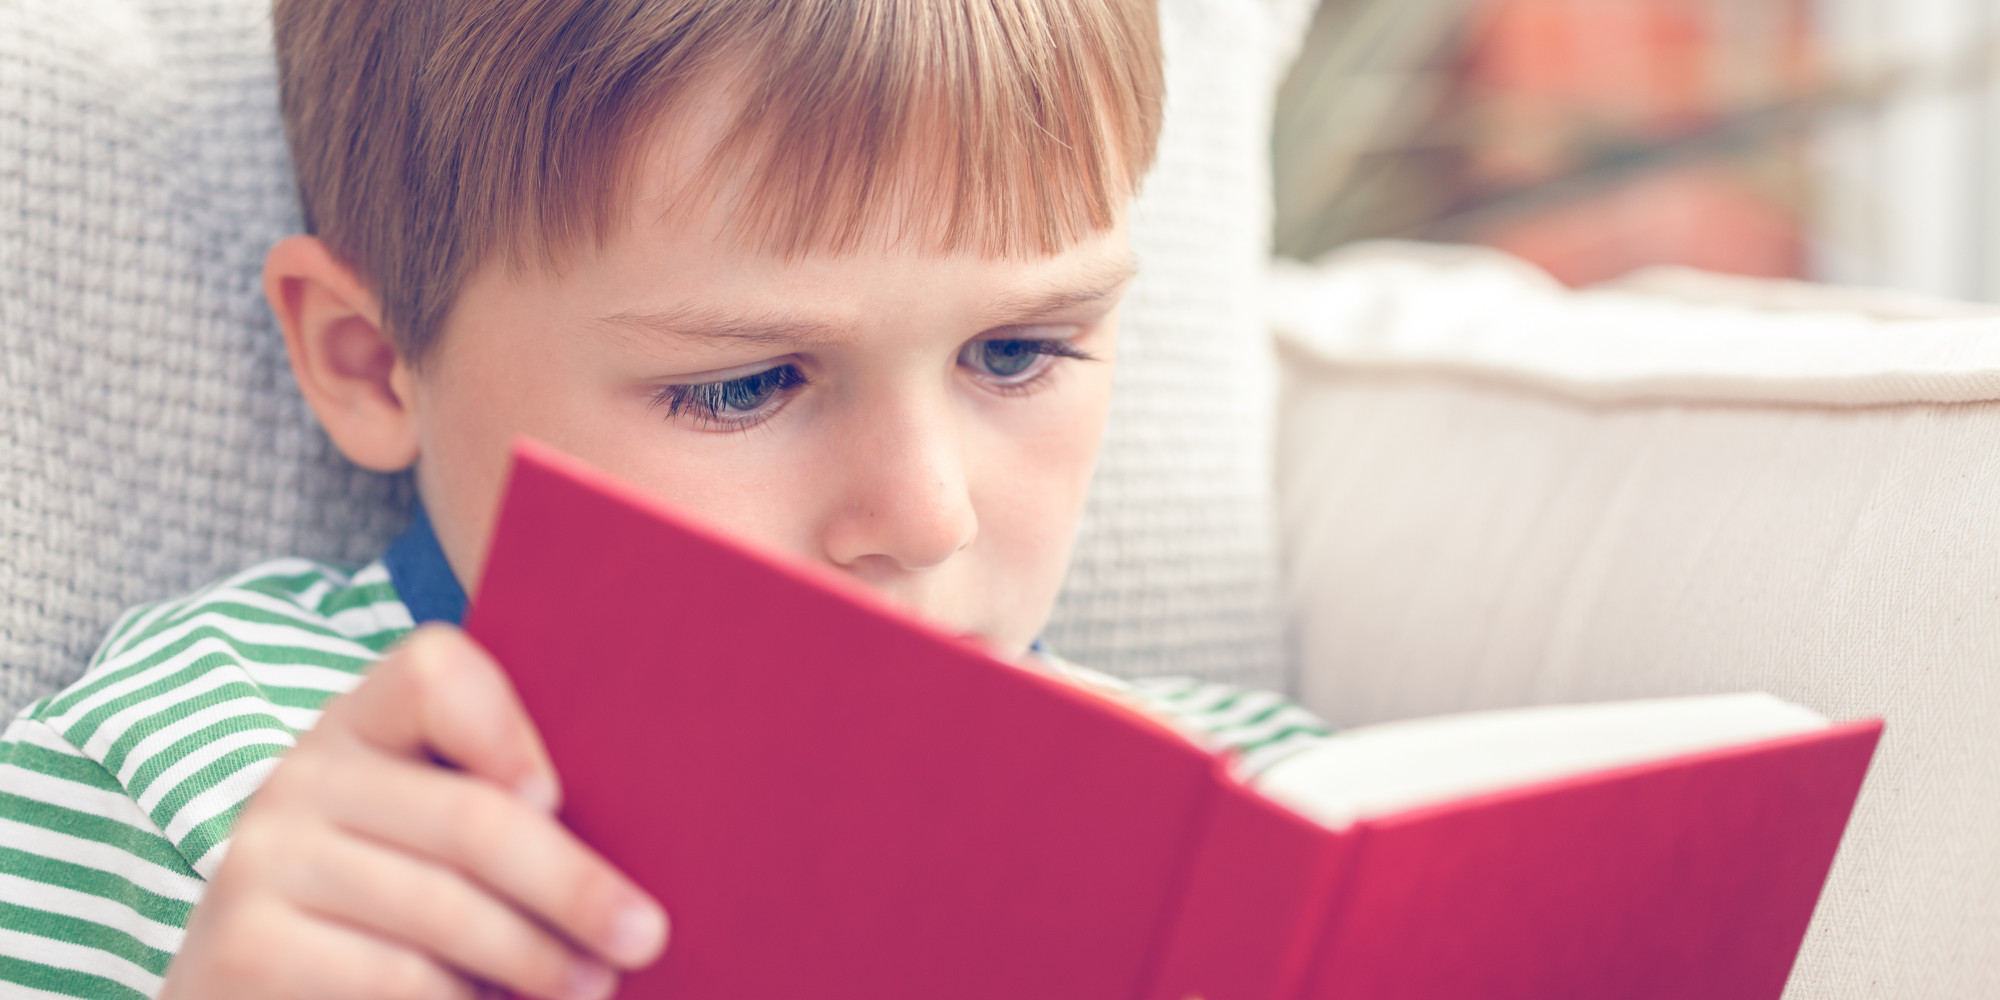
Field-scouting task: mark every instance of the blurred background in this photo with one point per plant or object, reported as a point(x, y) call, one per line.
point(1855, 141)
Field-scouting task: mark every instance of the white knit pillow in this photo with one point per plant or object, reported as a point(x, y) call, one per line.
point(150, 435)
point(151, 438)
point(1174, 568)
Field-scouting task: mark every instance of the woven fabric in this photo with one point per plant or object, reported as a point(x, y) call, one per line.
point(151, 438)
point(1173, 569)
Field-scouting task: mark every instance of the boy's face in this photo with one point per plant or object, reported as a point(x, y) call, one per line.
point(905, 417)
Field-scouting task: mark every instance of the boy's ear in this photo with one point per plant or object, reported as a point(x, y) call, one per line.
point(347, 367)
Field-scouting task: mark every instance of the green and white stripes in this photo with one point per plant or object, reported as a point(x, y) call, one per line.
point(117, 795)
point(1259, 727)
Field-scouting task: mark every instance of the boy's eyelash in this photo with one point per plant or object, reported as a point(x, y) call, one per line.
point(706, 401)
point(1053, 347)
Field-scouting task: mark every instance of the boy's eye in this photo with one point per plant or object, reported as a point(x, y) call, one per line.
point(1005, 358)
point(1014, 359)
point(736, 402)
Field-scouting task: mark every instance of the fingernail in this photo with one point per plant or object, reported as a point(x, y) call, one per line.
point(589, 980)
point(638, 933)
point(538, 790)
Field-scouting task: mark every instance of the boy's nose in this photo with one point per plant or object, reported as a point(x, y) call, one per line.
point(904, 497)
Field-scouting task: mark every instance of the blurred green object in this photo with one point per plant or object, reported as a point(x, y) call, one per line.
point(1373, 74)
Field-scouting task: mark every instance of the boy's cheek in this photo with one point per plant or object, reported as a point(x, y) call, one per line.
point(471, 412)
point(461, 475)
point(1030, 510)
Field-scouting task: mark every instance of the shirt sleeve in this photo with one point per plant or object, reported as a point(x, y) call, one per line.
point(94, 898)
point(118, 794)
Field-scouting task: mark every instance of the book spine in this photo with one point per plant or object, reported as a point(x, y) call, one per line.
point(1253, 901)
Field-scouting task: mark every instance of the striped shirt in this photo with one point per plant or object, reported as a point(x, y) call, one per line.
point(117, 795)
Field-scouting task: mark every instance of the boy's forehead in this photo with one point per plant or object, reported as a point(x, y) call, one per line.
point(707, 168)
point(688, 261)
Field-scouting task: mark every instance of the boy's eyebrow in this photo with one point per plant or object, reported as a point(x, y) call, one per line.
point(1098, 284)
point(699, 323)
point(706, 324)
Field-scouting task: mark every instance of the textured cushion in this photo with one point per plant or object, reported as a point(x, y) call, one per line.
point(150, 437)
point(1497, 493)
point(1174, 568)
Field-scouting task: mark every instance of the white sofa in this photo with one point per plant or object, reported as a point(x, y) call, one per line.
point(1496, 492)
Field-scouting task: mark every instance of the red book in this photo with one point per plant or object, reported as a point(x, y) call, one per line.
point(833, 800)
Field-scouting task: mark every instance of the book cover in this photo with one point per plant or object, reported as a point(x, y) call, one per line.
point(832, 799)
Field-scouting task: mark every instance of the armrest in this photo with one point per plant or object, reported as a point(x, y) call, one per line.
point(1497, 492)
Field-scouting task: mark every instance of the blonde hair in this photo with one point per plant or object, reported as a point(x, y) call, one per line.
point(429, 135)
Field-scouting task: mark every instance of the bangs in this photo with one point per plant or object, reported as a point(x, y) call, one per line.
point(1003, 127)
point(430, 135)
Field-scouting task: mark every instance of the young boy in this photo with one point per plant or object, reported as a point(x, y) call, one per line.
point(840, 276)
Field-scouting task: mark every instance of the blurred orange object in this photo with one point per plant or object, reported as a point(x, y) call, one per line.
point(1700, 216)
point(1551, 82)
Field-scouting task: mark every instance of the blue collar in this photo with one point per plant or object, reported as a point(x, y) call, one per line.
point(420, 574)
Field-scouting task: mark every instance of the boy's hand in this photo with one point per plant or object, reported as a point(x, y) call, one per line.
point(407, 848)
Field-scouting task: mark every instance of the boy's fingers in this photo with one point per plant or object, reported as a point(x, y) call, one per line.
point(434, 909)
point(275, 950)
point(439, 693)
point(525, 856)
point(351, 963)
